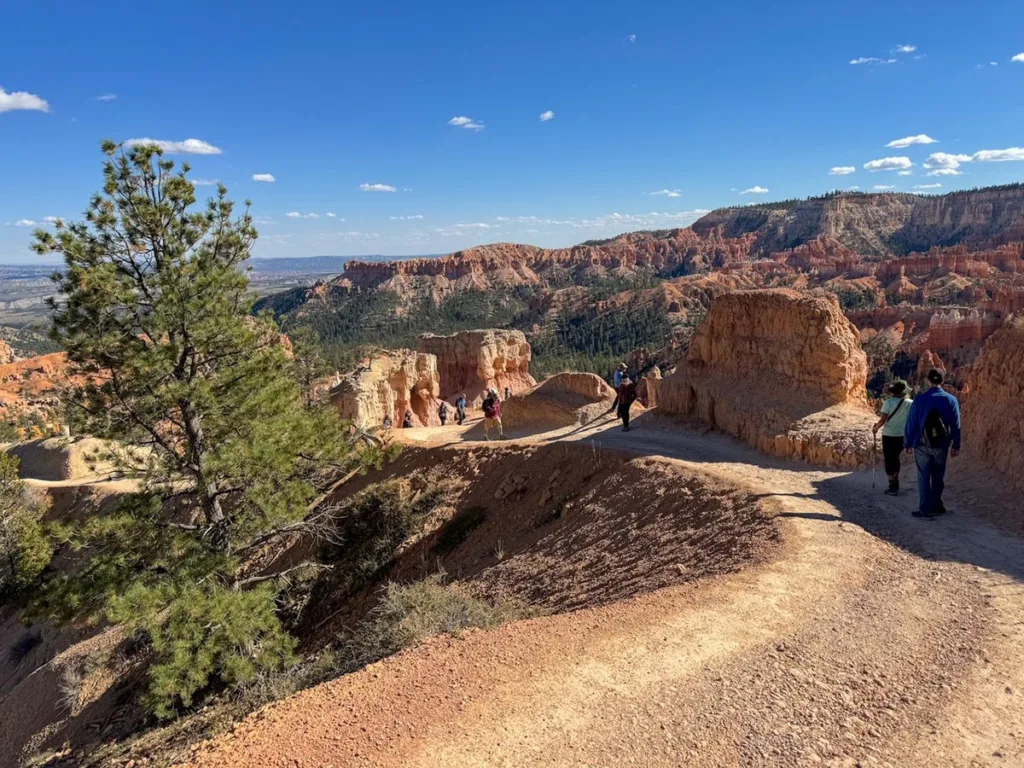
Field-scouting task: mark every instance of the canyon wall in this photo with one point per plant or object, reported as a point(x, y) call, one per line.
point(993, 429)
point(389, 384)
point(782, 371)
point(6, 353)
point(471, 361)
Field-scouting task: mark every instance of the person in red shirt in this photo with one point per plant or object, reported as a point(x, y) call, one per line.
point(492, 414)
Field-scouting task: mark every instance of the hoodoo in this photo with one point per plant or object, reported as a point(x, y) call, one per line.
point(388, 384)
point(472, 361)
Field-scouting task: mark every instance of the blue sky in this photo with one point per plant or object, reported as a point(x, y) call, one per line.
point(341, 103)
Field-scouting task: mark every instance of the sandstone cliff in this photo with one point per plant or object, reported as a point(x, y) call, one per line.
point(471, 361)
point(782, 371)
point(6, 353)
point(389, 384)
point(992, 424)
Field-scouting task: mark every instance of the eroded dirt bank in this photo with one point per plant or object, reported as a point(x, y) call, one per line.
point(869, 639)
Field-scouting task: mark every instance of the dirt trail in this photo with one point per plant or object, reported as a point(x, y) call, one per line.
point(876, 639)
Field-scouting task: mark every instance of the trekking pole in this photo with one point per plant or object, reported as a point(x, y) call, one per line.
point(874, 460)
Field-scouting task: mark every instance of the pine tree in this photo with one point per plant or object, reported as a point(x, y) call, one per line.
point(155, 314)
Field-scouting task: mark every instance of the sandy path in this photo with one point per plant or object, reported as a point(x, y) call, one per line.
point(876, 639)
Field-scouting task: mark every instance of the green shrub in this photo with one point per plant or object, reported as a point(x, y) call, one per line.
point(25, 550)
point(410, 613)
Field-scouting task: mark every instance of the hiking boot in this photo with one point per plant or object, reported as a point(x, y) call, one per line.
point(922, 514)
point(941, 510)
point(890, 491)
point(625, 429)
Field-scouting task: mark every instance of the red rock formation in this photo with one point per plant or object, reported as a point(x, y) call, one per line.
point(993, 427)
point(471, 361)
point(389, 384)
point(782, 371)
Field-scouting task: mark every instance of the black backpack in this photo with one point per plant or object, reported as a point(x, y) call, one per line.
point(936, 430)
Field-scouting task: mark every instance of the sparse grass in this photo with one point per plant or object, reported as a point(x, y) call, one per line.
point(499, 551)
point(457, 529)
point(70, 687)
point(408, 614)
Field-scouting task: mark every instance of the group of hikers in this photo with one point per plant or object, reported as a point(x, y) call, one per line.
point(926, 426)
point(491, 406)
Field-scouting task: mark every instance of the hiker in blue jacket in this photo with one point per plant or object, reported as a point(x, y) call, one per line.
point(933, 428)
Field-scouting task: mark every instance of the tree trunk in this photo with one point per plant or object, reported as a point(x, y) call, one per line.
point(206, 488)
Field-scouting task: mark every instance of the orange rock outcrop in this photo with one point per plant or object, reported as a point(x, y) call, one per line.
point(992, 424)
point(389, 384)
point(471, 361)
point(780, 370)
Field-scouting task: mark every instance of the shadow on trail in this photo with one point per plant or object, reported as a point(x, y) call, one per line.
point(963, 536)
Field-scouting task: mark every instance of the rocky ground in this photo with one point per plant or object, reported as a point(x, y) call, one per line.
point(871, 639)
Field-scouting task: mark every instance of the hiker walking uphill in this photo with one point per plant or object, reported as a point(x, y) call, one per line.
point(617, 377)
point(931, 433)
point(492, 414)
point(442, 413)
point(627, 394)
point(460, 409)
point(892, 422)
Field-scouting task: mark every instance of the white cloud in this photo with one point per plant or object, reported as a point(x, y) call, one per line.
point(1018, 58)
point(928, 186)
point(468, 123)
point(872, 60)
point(888, 164)
point(413, 217)
point(999, 155)
point(666, 192)
point(377, 188)
point(186, 147)
point(51, 219)
point(632, 38)
point(267, 177)
point(106, 97)
point(297, 215)
point(24, 223)
point(331, 215)
point(945, 160)
point(993, 63)
point(854, 188)
point(905, 173)
point(475, 225)
point(841, 170)
point(908, 141)
point(904, 49)
point(945, 172)
point(883, 187)
point(549, 115)
point(205, 182)
point(23, 100)
point(755, 190)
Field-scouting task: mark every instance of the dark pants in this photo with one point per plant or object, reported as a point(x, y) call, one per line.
point(460, 415)
point(931, 473)
point(624, 414)
point(615, 402)
point(892, 447)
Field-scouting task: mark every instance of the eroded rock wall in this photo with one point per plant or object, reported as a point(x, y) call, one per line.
point(780, 370)
point(992, 424)
point(472, 361)
point(389, 384)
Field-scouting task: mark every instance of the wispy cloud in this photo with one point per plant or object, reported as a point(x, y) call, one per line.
point(854, 188)
point(413, 217)
point(945, 160)
point(666, 192)
point(549, 115)
point(51, 219)
point(377, 188)
point(474, 225)
point(755, 190)
point(297, 215)
point(461, 121)
point(186, 147)
point(909, 141)
point(106, 97)
point(904, 173)
point(205, 182)
point(904, 48)
point(267, 177)
point(999, 155)
point(24, 223)
point(872, 60)
point(841, 170)
point(632, 38)
point(1019, 58)
point(928, 186)
point(331, 215)
point(22, 100)
point(889, 164)
point(883, 187)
